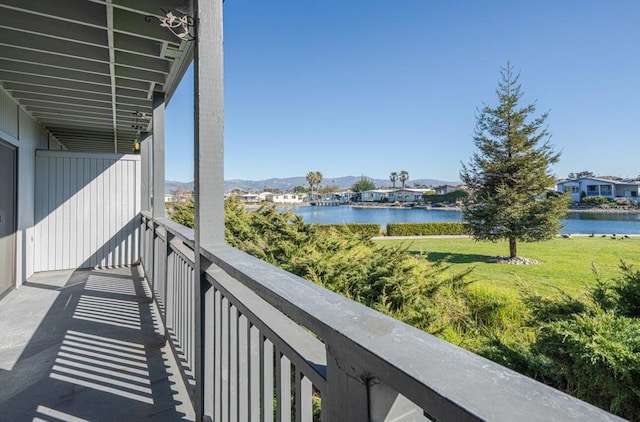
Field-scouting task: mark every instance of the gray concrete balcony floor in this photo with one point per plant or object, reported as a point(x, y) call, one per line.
point(87, 345)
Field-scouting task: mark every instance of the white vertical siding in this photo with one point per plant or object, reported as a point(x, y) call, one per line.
point(8, 115)
point(87, 209)
point(19, 129)
point(31, 137)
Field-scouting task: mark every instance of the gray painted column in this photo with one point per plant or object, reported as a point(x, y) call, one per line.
point(209, 193)
point(209, 124)
point(145, 168)
point(158, 155)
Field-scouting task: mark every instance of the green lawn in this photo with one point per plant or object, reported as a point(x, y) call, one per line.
point(564, 263)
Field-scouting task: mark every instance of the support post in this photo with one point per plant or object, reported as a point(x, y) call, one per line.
point(145, 168)
point(209, 175)
point(347, 398)
point(158, 155)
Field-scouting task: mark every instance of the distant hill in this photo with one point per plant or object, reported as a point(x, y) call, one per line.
point(171, 186)
point(288, 183)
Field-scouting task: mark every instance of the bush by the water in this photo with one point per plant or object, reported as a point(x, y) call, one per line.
point(594, 200)
point(390, 280)
point(366, 229)
point(427, 229)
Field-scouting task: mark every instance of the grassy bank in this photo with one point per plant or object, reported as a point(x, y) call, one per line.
point(564, 263)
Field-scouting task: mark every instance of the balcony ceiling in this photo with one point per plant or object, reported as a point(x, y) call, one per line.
point(87, 69)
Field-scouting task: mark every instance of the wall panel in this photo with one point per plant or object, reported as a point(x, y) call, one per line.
point(31, 137)
point(86, 210)
point(8, 115)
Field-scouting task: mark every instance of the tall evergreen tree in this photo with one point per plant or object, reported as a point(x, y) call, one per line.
point(363, 184)
point(509, 175)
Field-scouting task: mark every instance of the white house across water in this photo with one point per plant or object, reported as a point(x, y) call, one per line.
point(595, 186)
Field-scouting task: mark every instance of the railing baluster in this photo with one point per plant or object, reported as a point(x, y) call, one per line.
point(283, 387)
point(254, 373)
point(233, 363)
point(224, 358)
point(304, 402)
point(217, 357)
point(267, 385)
point(191, 288)
point(183, 314)
point(177, 328)
point(189, 331)
point(243, 369)
point(168, 306)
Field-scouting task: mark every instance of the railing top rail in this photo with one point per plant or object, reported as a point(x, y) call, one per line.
point(452, 383)
point(184, 233)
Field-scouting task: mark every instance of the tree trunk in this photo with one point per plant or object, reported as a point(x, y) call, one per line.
point(513, 250)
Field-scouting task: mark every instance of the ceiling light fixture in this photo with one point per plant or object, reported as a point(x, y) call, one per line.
point(138, 126)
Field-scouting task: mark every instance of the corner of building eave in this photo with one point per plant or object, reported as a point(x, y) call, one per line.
point(178, 70)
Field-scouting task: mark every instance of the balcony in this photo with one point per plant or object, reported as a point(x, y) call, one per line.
point(109, 311)
point(87, 345)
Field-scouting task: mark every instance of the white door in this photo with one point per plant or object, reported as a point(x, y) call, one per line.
point(7, 216)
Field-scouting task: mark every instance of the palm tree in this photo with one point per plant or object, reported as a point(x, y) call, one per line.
point(394, 178)
point(404, 176)
point(313, 178)
point(318, 178)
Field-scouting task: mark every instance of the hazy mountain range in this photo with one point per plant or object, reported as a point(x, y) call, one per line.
point(288, 183)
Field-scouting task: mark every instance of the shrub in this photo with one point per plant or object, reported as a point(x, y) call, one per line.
point(627, 290)
point(594, 200)
point(596, 356)
point(590, 346)
point(427, 229)
point(183, 214)
point(364, 229)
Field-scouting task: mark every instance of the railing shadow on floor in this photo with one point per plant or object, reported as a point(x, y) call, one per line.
point(98, 352)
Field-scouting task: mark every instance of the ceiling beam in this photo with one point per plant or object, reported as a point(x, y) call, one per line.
point(56, 83)
point(10, 52)
point(112, 73)
point(55, 72)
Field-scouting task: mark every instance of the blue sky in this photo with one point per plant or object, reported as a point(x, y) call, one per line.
point(370, 86)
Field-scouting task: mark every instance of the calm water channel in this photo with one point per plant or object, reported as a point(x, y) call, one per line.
point(577, 222)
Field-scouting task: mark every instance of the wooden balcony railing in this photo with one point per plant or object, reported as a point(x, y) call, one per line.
point(273, 346)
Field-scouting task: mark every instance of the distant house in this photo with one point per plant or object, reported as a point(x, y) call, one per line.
point(345, 196)
point(250, 197)
point(393, 195)
point(441, 190)
point(594, 186)
point(286, 198)
point(376, 195)
point(409, 195)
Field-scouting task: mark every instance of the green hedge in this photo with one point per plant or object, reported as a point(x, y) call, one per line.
point(359, 228)
point(427, 229)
